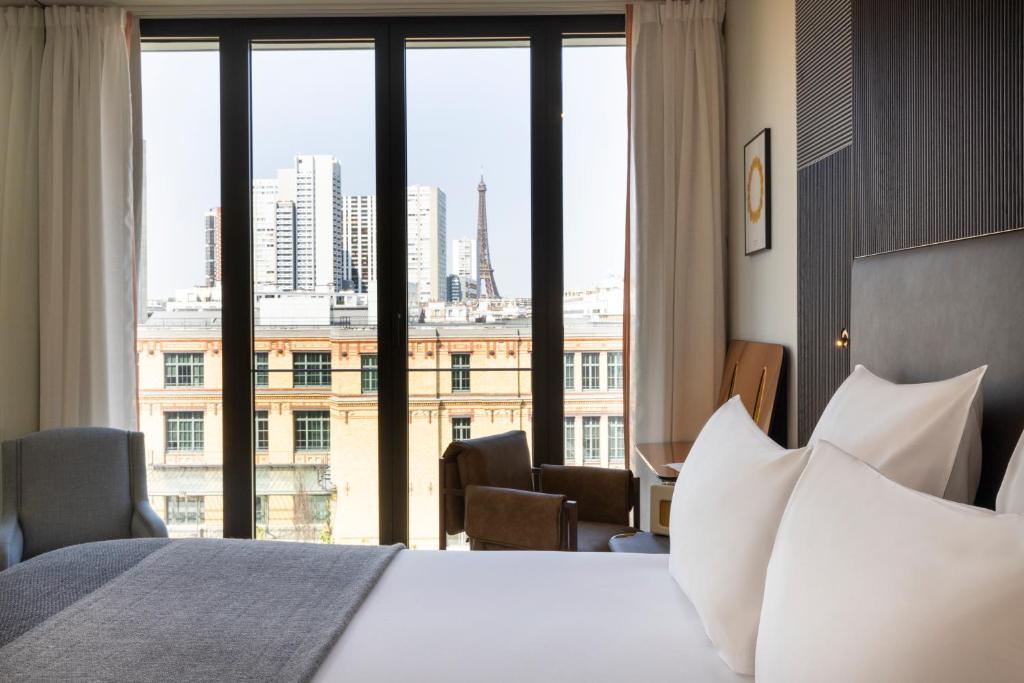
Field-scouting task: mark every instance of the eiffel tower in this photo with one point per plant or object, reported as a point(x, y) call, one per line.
point(488, 288)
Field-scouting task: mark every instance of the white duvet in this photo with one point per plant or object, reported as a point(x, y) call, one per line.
point(525, 616)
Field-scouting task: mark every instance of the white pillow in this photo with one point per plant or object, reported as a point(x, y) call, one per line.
point(872, 581)
point(925, 436)
point(1011, 492)
point(726, 507)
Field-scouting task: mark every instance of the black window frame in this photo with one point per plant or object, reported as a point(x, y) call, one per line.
point(234, 37)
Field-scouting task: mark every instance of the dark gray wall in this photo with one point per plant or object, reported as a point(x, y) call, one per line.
point(934, 150)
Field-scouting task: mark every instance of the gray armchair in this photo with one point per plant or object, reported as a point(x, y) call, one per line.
point(62, 487)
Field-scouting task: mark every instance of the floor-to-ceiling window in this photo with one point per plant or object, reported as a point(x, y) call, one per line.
point(468, 121)
point(410, 259)
point(594, 136)
point(179, 314)
point(314, 283)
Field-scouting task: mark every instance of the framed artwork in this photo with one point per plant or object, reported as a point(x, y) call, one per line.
point(757, 193)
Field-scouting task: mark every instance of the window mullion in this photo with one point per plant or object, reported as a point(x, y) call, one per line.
point(236, 273)
point(548, 362)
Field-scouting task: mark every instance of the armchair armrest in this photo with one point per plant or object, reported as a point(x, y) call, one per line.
point(603, 495)
point(146, 523)
point(515, 519)
point(12, 542)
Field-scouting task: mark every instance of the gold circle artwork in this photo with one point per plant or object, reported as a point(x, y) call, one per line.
point(752, 212)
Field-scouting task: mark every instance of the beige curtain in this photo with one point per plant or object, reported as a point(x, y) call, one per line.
point(21, 54)
point(678, 131)
point(87, 221)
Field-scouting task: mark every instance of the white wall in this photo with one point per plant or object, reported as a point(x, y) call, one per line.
point(761, 81)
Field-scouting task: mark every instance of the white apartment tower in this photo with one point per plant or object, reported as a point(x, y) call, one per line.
point(464, 263)
point(264, 233)
point(306, 210)
point(427, 242)
point(359, 240)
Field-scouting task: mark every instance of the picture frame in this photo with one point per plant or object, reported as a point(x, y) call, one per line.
point(757, 194)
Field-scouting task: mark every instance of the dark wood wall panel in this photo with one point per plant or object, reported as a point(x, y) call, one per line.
point(824, 79)
point(937, 152)
point(825, 255)
point(939, 121)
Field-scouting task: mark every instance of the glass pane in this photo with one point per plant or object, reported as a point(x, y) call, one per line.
point(179, 330)
point(315, 281)
point(594, 136)
point(469, 255)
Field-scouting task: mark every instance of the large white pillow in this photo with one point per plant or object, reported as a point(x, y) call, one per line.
point(726, 507)
point(1011, 492)
point(926, 436)
point(871, 581)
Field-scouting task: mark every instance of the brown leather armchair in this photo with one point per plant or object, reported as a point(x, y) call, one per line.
point(490, 491)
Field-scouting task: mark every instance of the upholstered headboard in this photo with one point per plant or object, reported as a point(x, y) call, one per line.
point(933, 312)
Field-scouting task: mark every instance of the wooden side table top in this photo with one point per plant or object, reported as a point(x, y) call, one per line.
point(657, 456)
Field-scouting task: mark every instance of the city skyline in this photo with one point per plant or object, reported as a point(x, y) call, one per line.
point(303, 212)
point(452, 134)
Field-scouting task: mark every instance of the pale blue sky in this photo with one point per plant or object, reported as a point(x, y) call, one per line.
point(467, 109)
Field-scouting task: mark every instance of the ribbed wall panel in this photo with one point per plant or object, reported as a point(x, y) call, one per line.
point(824, 78)
point(825, 255)
point(939, 121)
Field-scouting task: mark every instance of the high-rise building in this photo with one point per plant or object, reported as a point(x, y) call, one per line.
point(464, 262)
point(212, 225)
point(307, 210)
point(427, 242)
point(454, 288)
point(285, 246)
point(264, 233)
point(359, 240)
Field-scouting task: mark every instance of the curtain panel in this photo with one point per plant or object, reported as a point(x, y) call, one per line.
point(677, 100)
point(87, 220)
point(21, 56)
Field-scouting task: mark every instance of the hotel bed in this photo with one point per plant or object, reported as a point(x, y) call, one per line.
point(918, 315)
point(512, 616)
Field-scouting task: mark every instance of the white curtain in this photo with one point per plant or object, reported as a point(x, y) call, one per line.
point(87, 221)
point(678, 128)
point(21, 54)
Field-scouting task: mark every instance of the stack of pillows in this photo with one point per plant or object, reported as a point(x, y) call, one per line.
point(856, 558)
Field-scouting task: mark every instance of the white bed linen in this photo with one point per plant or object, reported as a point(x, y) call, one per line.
point(525, 616)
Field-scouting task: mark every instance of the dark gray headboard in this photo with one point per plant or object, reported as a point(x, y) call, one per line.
point(933, 312)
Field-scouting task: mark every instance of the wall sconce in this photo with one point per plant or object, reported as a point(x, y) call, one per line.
point(843, 340)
